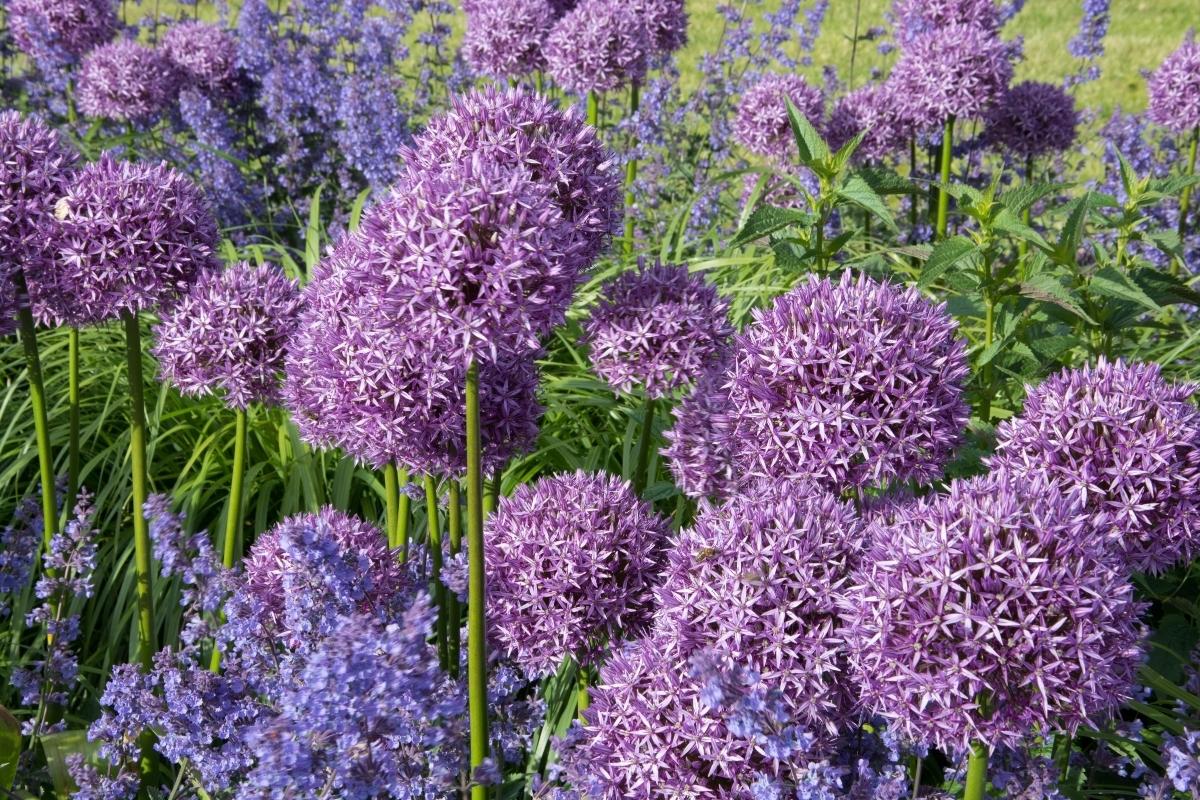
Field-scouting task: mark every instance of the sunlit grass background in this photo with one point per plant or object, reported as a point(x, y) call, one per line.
point(1142, 33)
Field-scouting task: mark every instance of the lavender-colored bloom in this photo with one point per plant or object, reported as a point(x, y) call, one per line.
point(192, 559)
point(991, 613)
point(1088, 44)
point(757, 579)
point(1126, 444)
point(230, 333)
point(516, 129)
point(698, 452)
point(1175, 89)
point(658, 328)
point(762, 125)
point(1182, 759)
point(505, 39)
point(600, 46)
point(571, 563)
point(666, 23)
point(204, 54)
point(127, 82)
point(217, 155)
point(128, 237)
point(20, 541)
point(917, 17)
point(957, 71)
point(847, 384)
point(70, 27)
point(871, 110)
point(1033, 119)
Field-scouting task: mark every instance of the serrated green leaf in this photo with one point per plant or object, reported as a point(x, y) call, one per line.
point(1165, 288)
point(1008, 222)
point(886, 182)
point(787, 259)
point(842, 157)
point(945, 255)
point(1027, 194)
point(1046, 288)
point(1072, 232)
point(767, 220)
point(1111, 282)
point(1174, 186)
point(858, 191)
point(813, 150)
point(10, 748)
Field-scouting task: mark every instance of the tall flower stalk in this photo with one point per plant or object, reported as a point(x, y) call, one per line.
point(977, 767)
point(37, 398)
point(1185, 199)
point(73, 458)
point(233, 523)
point(433, 539)
point(137, 462)
point(943, 197)
point(631, 170)
point(476, 585)
point(395, 481)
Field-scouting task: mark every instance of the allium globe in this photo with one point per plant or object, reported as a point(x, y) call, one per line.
point(600, 46)
point(127, 82)
point(35, 167)
point(127, 237)
point(505, 39)
point(848, 384)
point(871, 110)
point(1033, 119)
point(659, 328)
point(230, 333)
point(762, 126)
point(917, 17)
point(666, 23)
point(70, 27)
point(757, 578)
point(990, 614)
point(698, 452)
point(956, 71)
point(516, 129)
point(571, 562)
point(1126, 444)
point(1175, 89)
point(204, 54)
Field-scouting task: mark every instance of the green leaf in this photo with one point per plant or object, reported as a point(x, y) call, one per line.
point(58, 748)
point(1072, 232)
point(813, 150)
point(1027, 194)
point(767, 220)
point(1164, 288)
point(859, 192)
point(945, 255)
point(886, 182)
point(1174, 186)
point(1008, 222)
point(843, 156)
point(312, 234)
point(787, 259)
point(1046, 288)
point(356, 210)
point(1171, 643)
point(1111, 282)
point(10, 748)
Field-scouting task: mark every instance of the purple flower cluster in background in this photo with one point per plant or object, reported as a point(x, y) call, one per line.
point(127, 82)
point(1033, 119)
point(956, 71)
point(54, 33)
point(1175, 89)
point(600, 46)
point(762, 125)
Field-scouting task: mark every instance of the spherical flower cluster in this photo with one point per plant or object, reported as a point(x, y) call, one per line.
point(571, 563)
point(1126, 444)
point(72, 27)
point(128, 237)
point(1175, 89)
point(600, 46)
point(757, 579)
point(35, 165)
point(518, 130)
point(204, 54)
point(847, 384)
point(917, 17)
point(871, 110)
point(658, 328)
point(989, 614)
point(127, 82)
point(1033, 119)
point(957, 71)
point(230, 332)
point(504, 39)
point(666, 23)
point(698, 453)
point(762, 126)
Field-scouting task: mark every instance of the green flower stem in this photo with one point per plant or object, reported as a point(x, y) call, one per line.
point(476, 631)
point(977, 767)
point(41, 426)
point(233, 523)
point(137, 446)
point(454, 531)
point(631, 171)
point(433, 535)
point(640, 479)
point(1185, 199)
point(943, 207)
point(73, 434)
point(593, 110)
point(584, 701)
point(491, 495)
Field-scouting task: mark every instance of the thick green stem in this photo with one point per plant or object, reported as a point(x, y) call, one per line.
point(1185, 199)
point(137, 447)
point(73, 463)
point(454, 531)
point(640, 479)
point(391, 500)
point(41, 426)
point(977, 767)
point(477, 586)
point(631, 170)
point(233, 523)
point(943, 208)
point(584, 701)
point(593, 109)
point(433, 536)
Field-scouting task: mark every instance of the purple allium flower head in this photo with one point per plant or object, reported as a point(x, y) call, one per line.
point(1126, 444)
point(757, 578)
point(1175, 89)
point(230, 332)
point(659, 328)
point(505, 39)
point(1033, 119)
point(762, 125)
point(871, 109)
point(71, 27)
point(571, 563)
point(600, 46)
point(849, 384)
point(203, 53)
point(698, 452)
point(513, 128)
point(128, 237)
point(35, 166)
point(958, 70)
point(917, 17)
point(126, 81)
point(666, 22)
point(991, 613)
